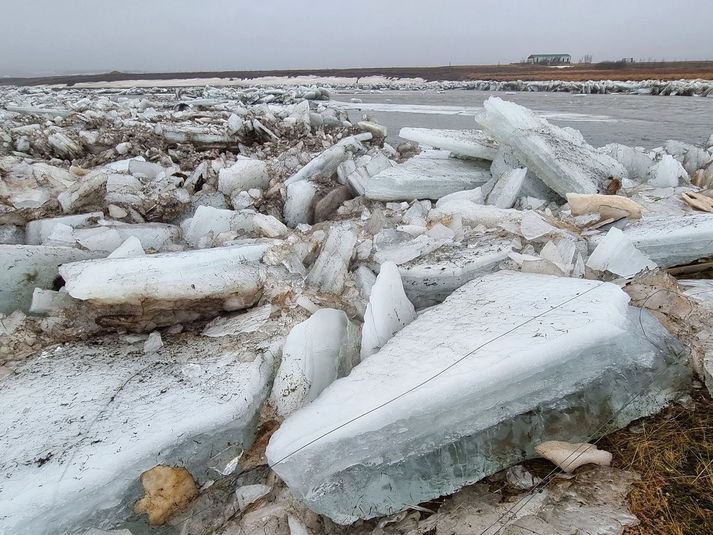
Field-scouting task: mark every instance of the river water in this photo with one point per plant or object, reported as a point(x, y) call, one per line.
point(635, 120)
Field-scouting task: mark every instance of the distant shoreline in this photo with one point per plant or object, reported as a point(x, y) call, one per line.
point(607, 71)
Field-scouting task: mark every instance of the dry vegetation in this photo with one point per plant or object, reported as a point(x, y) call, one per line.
point(673, 452)
point(674, 70)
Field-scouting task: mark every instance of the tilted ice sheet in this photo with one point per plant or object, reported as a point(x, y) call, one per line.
point(81, 422)
point(562, 160)
point(469, 143)
point(470, 387)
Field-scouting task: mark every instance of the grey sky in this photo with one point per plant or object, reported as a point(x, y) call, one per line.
point(66, 36)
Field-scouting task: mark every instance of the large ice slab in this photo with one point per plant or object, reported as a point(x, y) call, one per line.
point(468, 143)
point(508, 361)
point(426, 178)
point(26, 267)
point(673, 241)
point(82, 422)
point(230, 275)
point(562, 160)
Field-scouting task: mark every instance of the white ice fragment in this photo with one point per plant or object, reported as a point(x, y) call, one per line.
point(153, 343)
point(667, 173)
point(129, 249)
point(426, 178)
point(246, 322)
point(507, 188)
point(388, 311)
point(469, 143)
point(560, 159)
point(249, 494)
point(533, 226)
point(299, 204)
point(617, 254)
point(316, 352)
point(243, 175)
point(235, 123)
point(474, 195)
point(329, 271)
point(47, 302)
point(327, 162)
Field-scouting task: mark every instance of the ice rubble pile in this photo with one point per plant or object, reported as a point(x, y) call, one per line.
point(268, 261)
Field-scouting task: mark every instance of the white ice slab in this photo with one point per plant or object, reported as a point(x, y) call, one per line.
point(37, 231)
point(469, 143)
point(243, 175)
point(559, 158)
point(219, 273)
point(507, 188)
point(426, 178)
point(508, 361)
point(80, 424)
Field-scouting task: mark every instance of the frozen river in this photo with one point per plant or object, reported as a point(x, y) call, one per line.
point(646, 121)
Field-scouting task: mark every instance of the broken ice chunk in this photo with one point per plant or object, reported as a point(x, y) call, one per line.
point(129, 249)
point(507, 189)
point(468, 143)
point(37, 231)
point(26, 267)
point(228, 274)
point(637, 163)
point(673, 241)
point(326, 164)
point(388, 311)
point(667, 173)
point(316, 352)
point(616, 254)
point(243, 175)
point(561, 160)
point(426, 178)
point(298, 206)
point(329, 271)
point(507, 362)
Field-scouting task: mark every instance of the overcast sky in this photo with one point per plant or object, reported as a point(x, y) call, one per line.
point(71, 36)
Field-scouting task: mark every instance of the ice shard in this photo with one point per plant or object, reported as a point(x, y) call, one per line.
point(83, 421)
point(562, 160)
point(468, 143)
point(426, 178)
point(316, 352)
point(471, 386)
point(507, 189)
point(616, 254)
point(388, 311)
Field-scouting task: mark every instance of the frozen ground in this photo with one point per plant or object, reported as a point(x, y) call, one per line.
point(635, 120)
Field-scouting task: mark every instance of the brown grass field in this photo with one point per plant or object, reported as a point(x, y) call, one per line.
point(516, 71)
